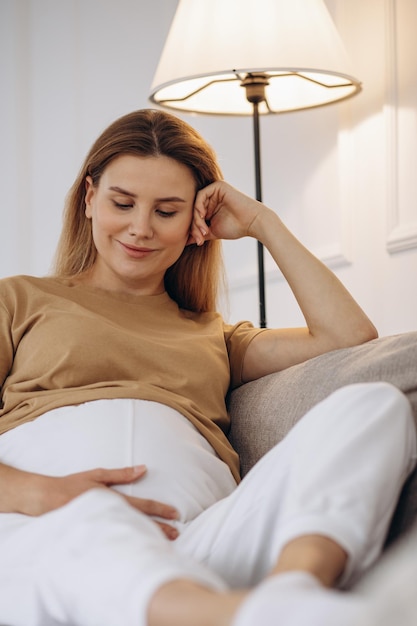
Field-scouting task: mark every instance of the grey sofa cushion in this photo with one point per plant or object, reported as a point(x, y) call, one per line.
point(263, 411)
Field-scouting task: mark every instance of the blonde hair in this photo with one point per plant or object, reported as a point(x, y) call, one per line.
point(192, 281)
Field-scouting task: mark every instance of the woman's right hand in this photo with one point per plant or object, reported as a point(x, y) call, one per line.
point(46, 493)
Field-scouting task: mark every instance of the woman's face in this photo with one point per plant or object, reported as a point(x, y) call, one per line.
point(141, 213)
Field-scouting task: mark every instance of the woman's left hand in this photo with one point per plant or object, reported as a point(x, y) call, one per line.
point(223, 212)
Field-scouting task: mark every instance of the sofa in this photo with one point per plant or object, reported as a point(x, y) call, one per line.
point(263, 411)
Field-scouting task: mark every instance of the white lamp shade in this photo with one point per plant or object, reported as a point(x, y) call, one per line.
point(214, 44)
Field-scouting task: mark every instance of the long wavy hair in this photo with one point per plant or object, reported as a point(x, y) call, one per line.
point(193, 280)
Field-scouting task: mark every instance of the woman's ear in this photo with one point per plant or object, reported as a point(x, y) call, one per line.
point(89, 194)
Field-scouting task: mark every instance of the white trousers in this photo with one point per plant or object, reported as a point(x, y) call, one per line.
point(97, 561)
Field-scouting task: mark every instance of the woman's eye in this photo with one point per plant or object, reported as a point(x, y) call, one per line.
point(166, 213)
point(120, 205)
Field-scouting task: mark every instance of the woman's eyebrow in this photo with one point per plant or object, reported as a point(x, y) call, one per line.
point(170, 199)
point(124, 192)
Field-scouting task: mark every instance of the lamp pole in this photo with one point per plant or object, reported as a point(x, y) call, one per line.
point(255, 93)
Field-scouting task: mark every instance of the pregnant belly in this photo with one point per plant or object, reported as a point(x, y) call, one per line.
point(183, 469)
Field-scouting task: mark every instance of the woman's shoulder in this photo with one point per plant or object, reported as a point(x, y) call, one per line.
point(17, 291)
point(25, 282)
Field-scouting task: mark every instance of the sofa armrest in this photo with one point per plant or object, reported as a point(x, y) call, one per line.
point(263, 411)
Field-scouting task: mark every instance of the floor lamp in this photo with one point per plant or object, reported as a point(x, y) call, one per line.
point(252, 57)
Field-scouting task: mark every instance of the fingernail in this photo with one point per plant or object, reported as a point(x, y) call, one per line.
point(139, 468)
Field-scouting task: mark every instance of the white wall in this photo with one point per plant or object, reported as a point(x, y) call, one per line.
point(343, 177)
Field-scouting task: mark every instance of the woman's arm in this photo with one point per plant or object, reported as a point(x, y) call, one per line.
point(35, 494)
point(333, 318)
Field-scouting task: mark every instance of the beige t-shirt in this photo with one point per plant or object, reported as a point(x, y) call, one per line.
point(63, 343)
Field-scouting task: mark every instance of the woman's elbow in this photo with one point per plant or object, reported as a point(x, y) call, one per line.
point(364, 332)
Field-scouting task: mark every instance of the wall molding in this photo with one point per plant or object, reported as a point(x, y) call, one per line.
point(401, 234)
point(332, 255)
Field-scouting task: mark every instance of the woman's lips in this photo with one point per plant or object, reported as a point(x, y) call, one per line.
point(136, 253)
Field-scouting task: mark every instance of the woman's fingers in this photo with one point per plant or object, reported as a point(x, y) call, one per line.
point(118, 476)
point(107, 477)
point(153, 507)
point(207, 204)
point(199, 230)
point(223, 212)
point(170, 532)
point(127, 475)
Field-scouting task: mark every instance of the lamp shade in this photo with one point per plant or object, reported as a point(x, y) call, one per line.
point(214, 45)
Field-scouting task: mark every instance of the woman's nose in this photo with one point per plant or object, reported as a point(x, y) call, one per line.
point(140, 225)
